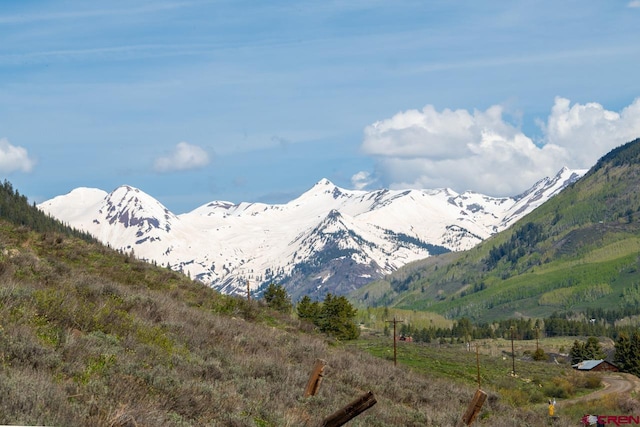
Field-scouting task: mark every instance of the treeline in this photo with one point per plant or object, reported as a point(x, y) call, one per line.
point(463, 330)
point(563, 325)
point(598, 322)
point(626, 154)
point(16, 209)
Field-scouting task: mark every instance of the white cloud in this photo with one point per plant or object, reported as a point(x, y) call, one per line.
point(361, 180)
point(482, 152)
point(634, 3)
point(589, 131)
point(13, 158)
point(184, 157)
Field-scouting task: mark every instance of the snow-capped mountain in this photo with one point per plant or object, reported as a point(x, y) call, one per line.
point(327, 240)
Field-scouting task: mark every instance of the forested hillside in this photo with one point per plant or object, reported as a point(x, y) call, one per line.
point(15, 208)
point(577, 252)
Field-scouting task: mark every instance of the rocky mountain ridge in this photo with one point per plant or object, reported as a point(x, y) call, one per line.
point(327, 240)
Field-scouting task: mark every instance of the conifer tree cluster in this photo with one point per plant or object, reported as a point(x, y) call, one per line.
point(335, 316)
point(627, 357)
point(522, 242)
point(589, 350)
point(15, 208)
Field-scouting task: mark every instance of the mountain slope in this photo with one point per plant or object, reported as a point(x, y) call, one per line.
point(327, 240)
point(92, 337)
point(578, 251)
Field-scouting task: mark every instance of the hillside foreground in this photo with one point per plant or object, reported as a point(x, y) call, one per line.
point(91, 336)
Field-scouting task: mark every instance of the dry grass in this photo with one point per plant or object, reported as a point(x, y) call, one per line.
point(92, 337)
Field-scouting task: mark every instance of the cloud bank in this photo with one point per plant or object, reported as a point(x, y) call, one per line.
point(184, 157)
point(13, 158)
point(481, 151)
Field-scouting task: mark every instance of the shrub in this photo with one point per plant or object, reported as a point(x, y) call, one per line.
point(592, 381)
point(539, 355)
point(561, 388)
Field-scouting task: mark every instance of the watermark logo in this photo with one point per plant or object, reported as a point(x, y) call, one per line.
point(613, 420)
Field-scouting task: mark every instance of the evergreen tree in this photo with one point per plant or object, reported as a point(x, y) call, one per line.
point(593, 349)
point(590, 350)
point(308, 310)
point(634, 362)
point(277, 298)
point(627, 356)
point(577, 352)
point(623, 354)
point(337, 318)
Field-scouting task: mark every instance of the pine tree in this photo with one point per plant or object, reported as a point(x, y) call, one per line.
point(337, 318)
point(623, 354)
point(627, 356)
point(308, 310)
point(634, 360)
point(577, 352)
point(593, 349)
point(277, 298)
point(590, 350)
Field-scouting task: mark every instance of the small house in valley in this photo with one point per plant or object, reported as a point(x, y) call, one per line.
point(596, 365)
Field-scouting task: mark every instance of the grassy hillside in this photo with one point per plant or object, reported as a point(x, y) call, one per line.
point(90, 336)
point(577, 251)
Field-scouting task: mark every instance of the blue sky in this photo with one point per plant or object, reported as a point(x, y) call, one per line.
point(195, 101)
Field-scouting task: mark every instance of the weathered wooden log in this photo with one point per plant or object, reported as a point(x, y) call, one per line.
point(474, 407)
point(315, 379)
point(352, 410)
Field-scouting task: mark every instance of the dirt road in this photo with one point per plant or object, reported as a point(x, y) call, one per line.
point(613, 383)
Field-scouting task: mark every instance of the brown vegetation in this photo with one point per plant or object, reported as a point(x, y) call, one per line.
point(89, 336)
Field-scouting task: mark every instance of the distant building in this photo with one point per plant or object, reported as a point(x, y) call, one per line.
point(406, 338)
point(596, 365)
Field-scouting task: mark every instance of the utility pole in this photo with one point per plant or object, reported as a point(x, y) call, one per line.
point(513, 355)
point(478, 366)
point(394, 321)
point(478, 399)
point(248, 291)
point(537, 333)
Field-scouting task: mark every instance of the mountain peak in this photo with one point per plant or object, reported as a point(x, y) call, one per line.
point(323, 183)
point(74, 205)
point(132, 207)
point(373, 232)
point(323, 188)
